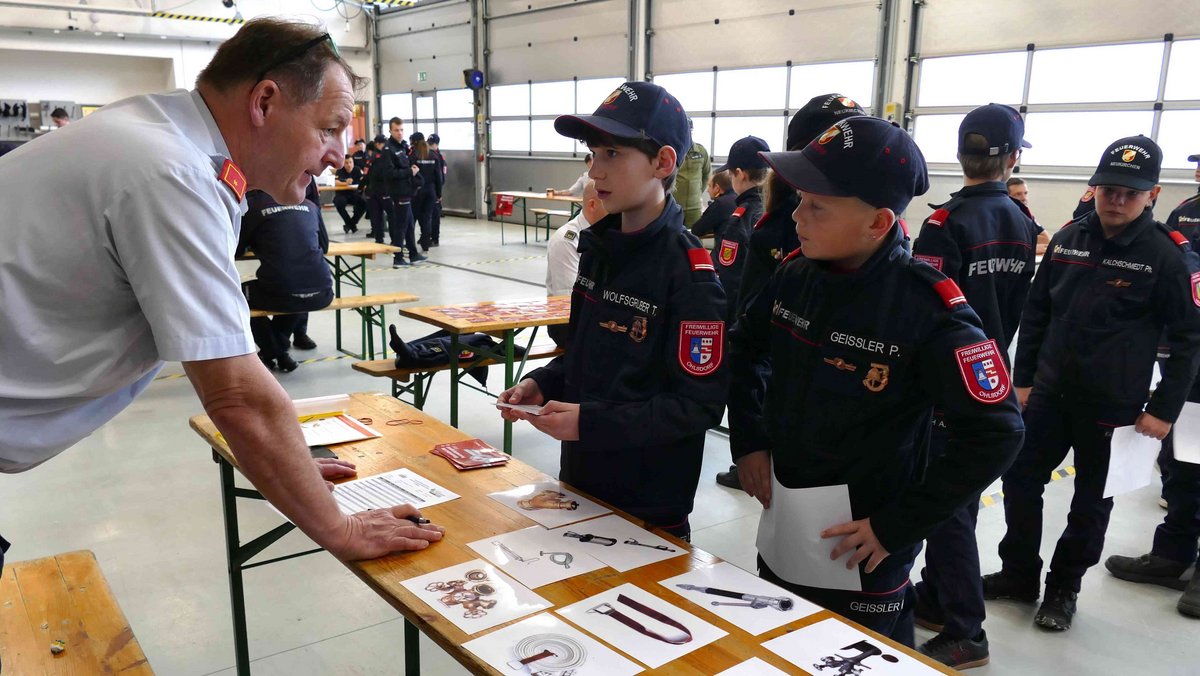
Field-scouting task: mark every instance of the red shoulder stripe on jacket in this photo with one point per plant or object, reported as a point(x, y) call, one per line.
point(700, 259)
point(950, 293)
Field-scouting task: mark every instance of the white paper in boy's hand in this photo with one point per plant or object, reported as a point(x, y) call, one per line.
point(524, 408)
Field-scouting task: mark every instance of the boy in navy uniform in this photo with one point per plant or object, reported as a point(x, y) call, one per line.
point(349, 174)
point(380, 172)
point(1114, 284)
point(747, 171)
point(429, 193)
point(985, 241)
point(435, 142)
point(1174, 550)
point(403, 187)
point(290, 243)
point(643, 376)
point(720, 206)
point(774, 235)
point(863, 342)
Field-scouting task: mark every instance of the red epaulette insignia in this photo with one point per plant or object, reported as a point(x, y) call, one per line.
point(938, 218)
point(1178, 238)
point(234, 178)
point(761, 219)
point(950, 293)
point(794, 254)
point(700, 260)
point(737, 213)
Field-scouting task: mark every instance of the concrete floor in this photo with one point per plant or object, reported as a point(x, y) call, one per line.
point(143, 493)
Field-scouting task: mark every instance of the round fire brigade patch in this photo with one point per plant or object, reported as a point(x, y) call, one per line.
point(1196, 288)
point(728, 253)
point(983, 372)
point(701, 346)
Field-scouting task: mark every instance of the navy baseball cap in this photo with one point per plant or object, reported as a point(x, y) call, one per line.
point(744, 154)
point(864, 157)
point(435, 139)
point(635, 110)
point(416, 136)
point(820, 113)
point(1130, 162)
point(999, 124)
point(380, 138)
point(1194, 158)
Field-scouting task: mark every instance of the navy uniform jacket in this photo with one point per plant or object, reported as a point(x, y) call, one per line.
point(859, 360)
point(403, 184)
point(732, 246)
point(289, 242)
point(774, 237)
point(1186, 219)
point(986, 242)
point(1087, 204)
point(381, 172)
point(1097, 311)
point(431, 173)
point(360, 157)
point(715, 215)
point(644, 361)
point(354, 175)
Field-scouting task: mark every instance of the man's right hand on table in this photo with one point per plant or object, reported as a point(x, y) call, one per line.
point(524, 392)
point(379, 532)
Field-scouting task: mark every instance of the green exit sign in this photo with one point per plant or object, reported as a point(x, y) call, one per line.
point(422, 76)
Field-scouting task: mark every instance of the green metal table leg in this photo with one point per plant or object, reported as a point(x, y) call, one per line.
point(454, 376)
point(508, 382)
point(412, 650)
point(237, 597)
point(337, 293)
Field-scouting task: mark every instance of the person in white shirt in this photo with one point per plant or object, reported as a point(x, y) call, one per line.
point(138, 268)
point(576, 189)
point(562, 251)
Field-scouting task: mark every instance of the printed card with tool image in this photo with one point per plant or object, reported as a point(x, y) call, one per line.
point(753, 667)
point(536, 556)
point(620, 543)
point(647, 628)
point(545, 645)
point(475, 595)
point(742, 598)
point(549, 503)
point(831, 646)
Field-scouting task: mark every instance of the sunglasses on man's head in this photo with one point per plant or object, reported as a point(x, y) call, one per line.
point(299, 51)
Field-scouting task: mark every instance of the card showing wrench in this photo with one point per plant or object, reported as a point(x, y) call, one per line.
point(742, 598)
point(536, 556)
point(634, 546)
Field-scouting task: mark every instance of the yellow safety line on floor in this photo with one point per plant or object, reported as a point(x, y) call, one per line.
point(314, 360)
point(998, 497)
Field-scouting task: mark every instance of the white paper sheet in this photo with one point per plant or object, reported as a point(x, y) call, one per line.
point(388, 490)
point(753, 667)
point(548, 516)
point(573, 650)
point(789, 536)
point(475, 596)
point(1187, 434)
point(649, 651)
point(831, 645)
point(339, 429)
point(1131, 461)
point(622, 555)
point(548, 557)
point(728, 577)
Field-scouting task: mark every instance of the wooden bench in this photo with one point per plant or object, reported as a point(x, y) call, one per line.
point(419, 379)
point(370, 308)
point(541, 219)
point(64, 598)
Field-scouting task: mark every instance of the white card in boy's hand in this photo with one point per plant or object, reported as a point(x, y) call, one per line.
point(524, 408)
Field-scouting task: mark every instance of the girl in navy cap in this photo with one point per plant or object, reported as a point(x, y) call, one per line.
point(863, 342)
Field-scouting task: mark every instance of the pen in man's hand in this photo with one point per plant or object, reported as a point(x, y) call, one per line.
point(420, 521)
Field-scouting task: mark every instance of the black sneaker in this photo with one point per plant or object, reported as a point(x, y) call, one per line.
point(959, 653)
point(1008, 586)
point(1189, 603)
point(303, 342)
point(267, 361)
point(730, 479)
point(929, 616)
point(1149, 569)
point(286, 363)
point(417, 258)
point(1056, 610)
